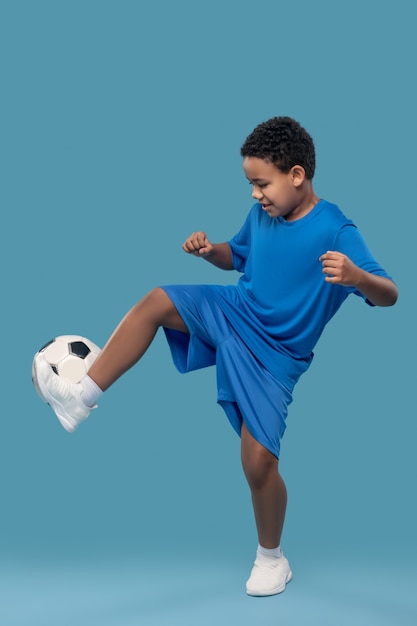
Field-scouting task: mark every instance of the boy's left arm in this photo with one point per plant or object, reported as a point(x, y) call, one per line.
point(340, 270)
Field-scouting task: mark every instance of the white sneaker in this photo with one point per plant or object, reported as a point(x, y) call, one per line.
point(62, 396)
point(269, 576)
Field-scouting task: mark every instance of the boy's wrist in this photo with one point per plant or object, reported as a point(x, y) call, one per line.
point(360, 281)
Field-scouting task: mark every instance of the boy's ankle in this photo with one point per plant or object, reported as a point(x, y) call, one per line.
point(272, 552)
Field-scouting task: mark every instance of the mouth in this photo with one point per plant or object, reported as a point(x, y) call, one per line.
point(266, 206)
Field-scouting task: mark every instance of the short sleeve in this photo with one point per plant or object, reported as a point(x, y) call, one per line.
point(349, 241)
point(240, 244)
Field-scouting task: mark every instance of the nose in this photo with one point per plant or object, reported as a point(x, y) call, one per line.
point(256, 192)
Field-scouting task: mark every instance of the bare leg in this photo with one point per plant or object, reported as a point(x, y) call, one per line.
point(133, 336)
point(269, 494)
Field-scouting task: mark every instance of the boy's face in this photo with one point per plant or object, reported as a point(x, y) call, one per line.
point(279, 194)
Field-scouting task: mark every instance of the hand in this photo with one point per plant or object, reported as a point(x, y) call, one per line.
point(198, 244)
point(339, 269)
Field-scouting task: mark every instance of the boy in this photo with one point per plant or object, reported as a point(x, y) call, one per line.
point(300, 258)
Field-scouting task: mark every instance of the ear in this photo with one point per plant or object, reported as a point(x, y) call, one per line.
point(298, 175)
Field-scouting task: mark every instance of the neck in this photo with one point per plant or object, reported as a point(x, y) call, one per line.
point(307, 202)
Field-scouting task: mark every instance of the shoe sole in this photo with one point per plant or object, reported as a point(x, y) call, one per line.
point(52, 402)
point(273, 592)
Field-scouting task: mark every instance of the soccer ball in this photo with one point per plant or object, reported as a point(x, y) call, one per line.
point(70, 356)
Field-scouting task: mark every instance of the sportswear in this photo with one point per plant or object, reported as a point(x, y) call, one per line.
point(269, 575)
point(261, 333)
point(63, 396)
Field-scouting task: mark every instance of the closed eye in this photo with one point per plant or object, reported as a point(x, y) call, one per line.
point(260, 185)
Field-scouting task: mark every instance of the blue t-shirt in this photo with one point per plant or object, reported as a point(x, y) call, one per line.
point(283, 286)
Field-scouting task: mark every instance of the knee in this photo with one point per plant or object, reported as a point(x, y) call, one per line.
point(259, 466)
point(157, 303)
point(159, 307)
point(157, 296)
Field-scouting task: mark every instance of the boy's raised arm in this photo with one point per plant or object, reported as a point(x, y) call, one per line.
point(340, 270)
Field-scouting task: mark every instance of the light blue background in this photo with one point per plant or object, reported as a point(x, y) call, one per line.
point(121, 125)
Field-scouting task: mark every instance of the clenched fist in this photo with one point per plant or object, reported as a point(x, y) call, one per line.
point(198, 244)
point(339, 269)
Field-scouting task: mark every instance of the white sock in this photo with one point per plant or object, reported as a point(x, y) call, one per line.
point(91, 391)
point(276, 552)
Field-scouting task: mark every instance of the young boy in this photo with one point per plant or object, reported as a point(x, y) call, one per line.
point(300, 258)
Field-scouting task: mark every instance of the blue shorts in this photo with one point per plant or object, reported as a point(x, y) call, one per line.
point(247, 390)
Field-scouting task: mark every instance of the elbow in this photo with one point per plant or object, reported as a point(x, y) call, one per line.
point(391, 296)
point(394, 299)
point(394, 294)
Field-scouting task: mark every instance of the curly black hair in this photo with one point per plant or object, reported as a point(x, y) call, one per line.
point(283, 142)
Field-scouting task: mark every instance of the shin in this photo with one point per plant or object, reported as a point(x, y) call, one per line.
point(133, 336)
point(269, 494)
